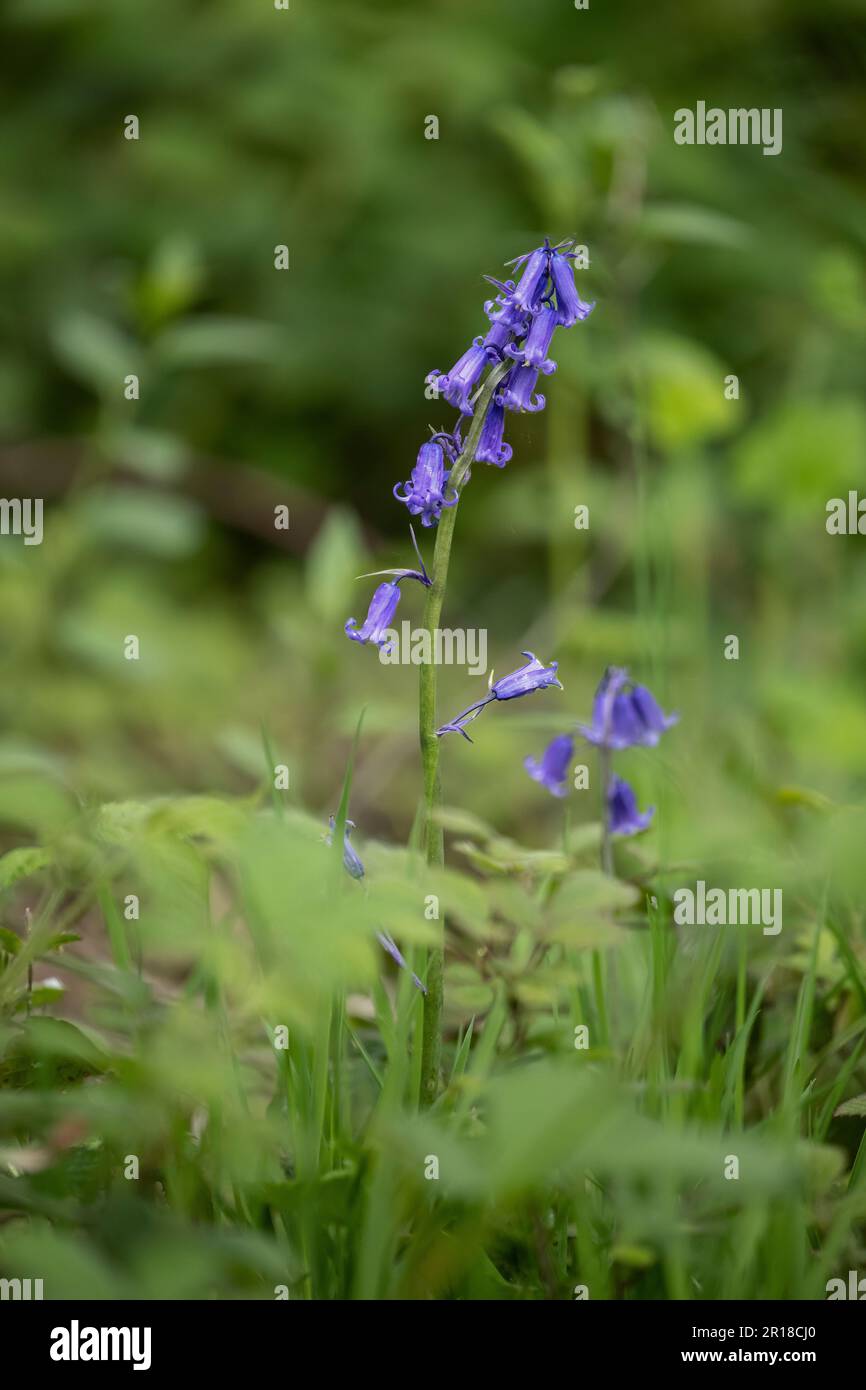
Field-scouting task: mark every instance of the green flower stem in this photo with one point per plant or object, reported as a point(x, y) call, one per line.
point(606, 840)
point(599, 963)
point(434, 850)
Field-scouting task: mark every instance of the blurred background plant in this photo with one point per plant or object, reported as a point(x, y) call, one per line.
point(304, 388)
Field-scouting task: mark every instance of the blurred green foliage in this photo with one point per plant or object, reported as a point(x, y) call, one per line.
point(305, 388)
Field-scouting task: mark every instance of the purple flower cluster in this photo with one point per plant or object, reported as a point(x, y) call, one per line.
point(523, 316)
point(624, 715)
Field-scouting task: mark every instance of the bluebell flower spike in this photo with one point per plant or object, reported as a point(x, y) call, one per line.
point(523, 315)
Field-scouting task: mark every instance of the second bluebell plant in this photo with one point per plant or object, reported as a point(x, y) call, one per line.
point(624, 715)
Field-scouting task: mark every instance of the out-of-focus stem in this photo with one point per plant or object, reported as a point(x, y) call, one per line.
point(598, 963)
point(606, 840)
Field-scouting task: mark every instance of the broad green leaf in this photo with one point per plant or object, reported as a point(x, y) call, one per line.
point(689, 224)
point(141, 519)
point(333, 561)
point(516, 858)
point(73, 1268)
point(96, 352)
point(155, 455)
point(35, 804)
point(461, 899)
point(583, 897)
point(802, 454)
point(685, 393)
point(514, 904)
point(210, 340)
point(21, 863)
point(397, 906)
point(307, 920)
point(466, 992)
point(460, 822)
